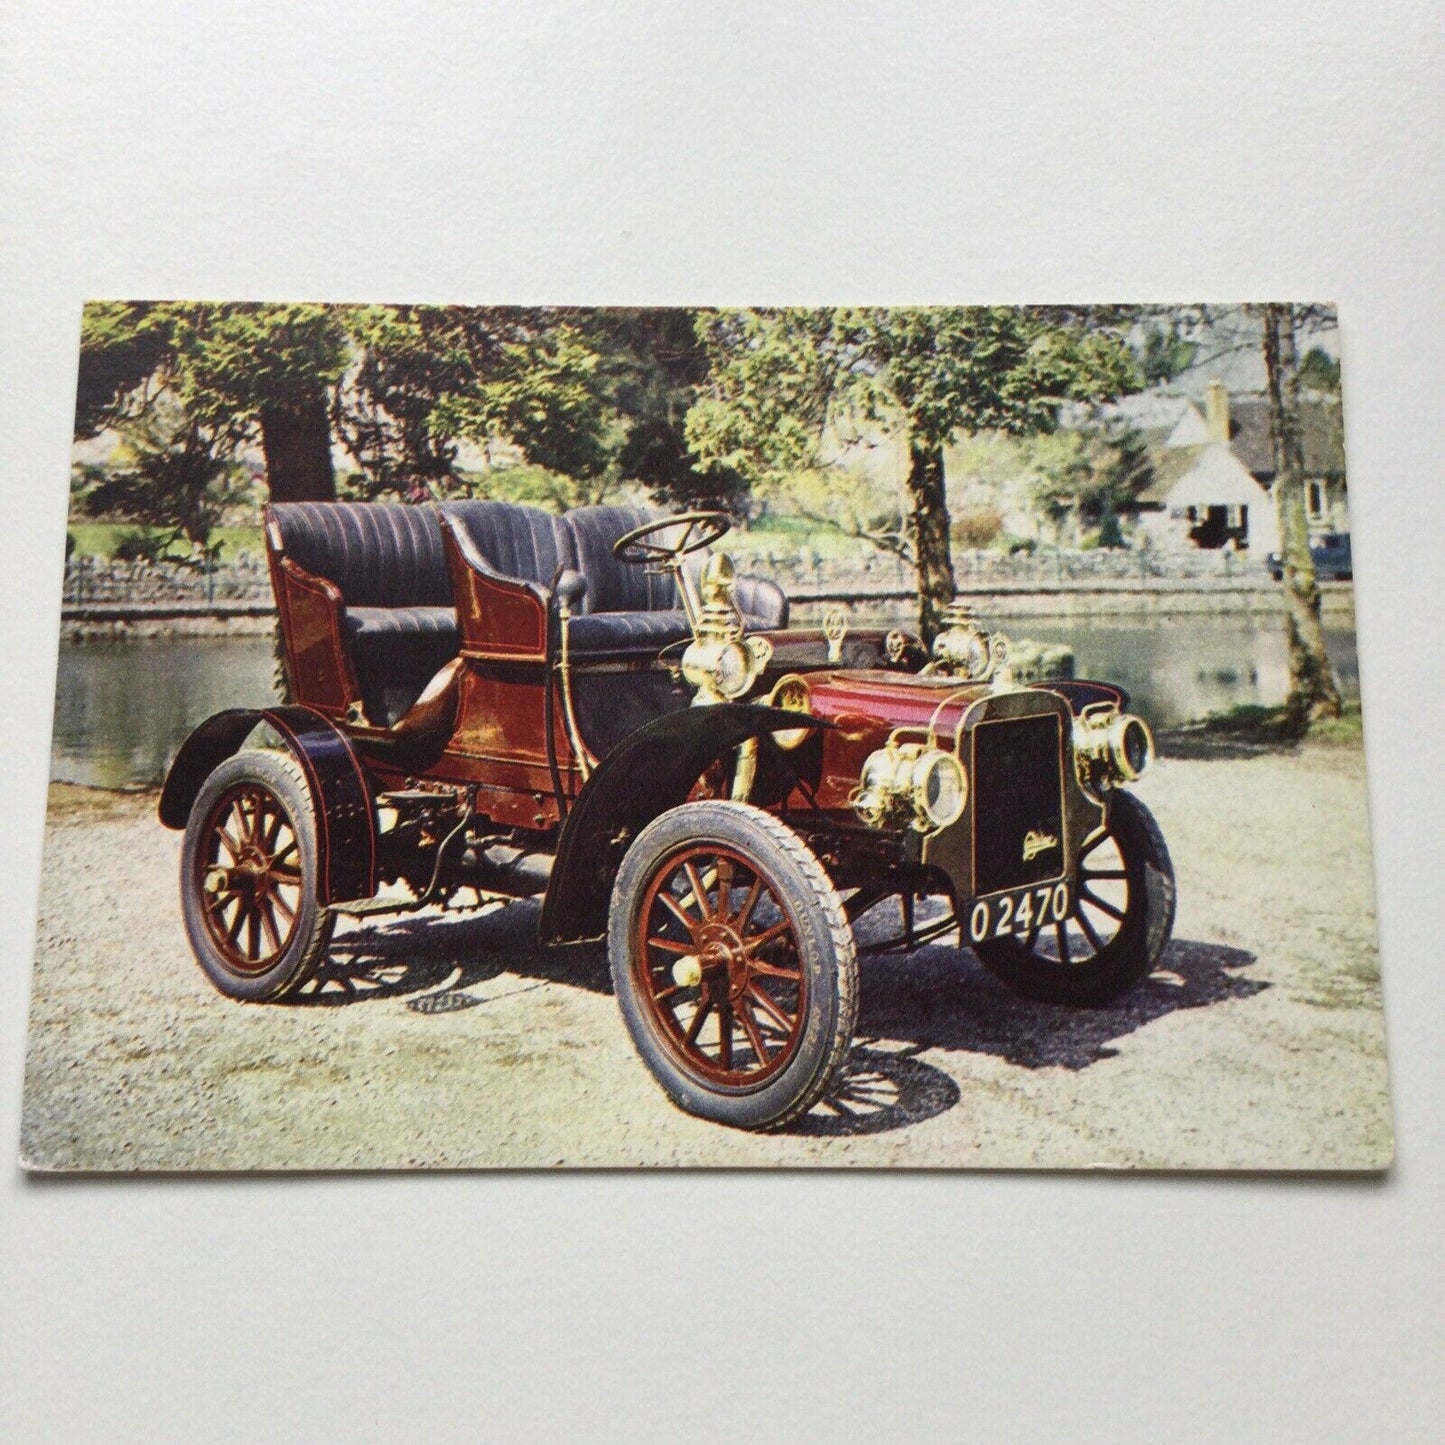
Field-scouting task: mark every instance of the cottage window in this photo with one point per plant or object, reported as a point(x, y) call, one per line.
point(1316, 500)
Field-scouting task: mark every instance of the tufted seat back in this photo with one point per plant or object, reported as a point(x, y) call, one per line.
point(614, 586)
point(380, 554)
point(522, 542)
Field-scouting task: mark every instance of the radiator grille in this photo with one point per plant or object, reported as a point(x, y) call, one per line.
point(1018, 803)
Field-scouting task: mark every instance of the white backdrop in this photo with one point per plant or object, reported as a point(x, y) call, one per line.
point(628, 152)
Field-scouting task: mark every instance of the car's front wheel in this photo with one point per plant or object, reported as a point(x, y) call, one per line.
point(1121, 917)
point(733, 963)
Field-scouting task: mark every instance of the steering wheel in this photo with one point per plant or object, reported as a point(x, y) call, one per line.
point(700, 529)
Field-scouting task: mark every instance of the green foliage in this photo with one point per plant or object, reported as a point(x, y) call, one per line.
point(1319, 371)
point(233, 361)
point(1165, 354)
point(784, 378)
point(143, 544)
point(169, 475)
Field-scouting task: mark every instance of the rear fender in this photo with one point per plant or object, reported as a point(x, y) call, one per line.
point(345, 817)
point(652, 770)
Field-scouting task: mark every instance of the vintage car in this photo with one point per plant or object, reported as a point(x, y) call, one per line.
point(487, 701)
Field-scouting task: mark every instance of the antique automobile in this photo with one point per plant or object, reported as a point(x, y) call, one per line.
point(489, 702)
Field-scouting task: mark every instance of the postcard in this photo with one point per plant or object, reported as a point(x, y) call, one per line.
point(907, 736)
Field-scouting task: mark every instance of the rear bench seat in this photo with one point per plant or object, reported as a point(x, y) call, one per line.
point(398, 619)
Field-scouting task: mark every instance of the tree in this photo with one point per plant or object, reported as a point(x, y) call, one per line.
point(783, 379)
point(174, 474)
point(1165, 353)
point(1313, 692)
point(231, 366)
point(652, 365)
point(407, 360)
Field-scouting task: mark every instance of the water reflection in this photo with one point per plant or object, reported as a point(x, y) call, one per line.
point(123, 708)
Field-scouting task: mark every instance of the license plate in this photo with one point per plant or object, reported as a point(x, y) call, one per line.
point(1020, 912)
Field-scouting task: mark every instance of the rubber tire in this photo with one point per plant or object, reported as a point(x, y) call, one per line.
point(826, 947)
point(282, 775)
point(1132, 953)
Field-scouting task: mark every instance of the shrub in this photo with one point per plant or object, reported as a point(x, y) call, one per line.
point(977, 526)
point(142, 544)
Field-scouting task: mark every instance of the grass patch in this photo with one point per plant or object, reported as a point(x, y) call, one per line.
point(1271, 726)
point(74, 803)
point(98, 539)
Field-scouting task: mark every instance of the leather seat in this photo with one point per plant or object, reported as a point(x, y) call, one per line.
point(524, 543)
point(398, 618)
point(628, 609)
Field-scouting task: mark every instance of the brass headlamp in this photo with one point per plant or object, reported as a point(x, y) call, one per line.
point(1110, 747)
point(719, 662)
point(911, 785)
point(963, 649)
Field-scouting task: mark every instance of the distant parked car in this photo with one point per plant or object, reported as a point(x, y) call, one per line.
point(1331, 552)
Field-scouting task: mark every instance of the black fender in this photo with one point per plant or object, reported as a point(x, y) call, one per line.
point(345, 817)
point(650, 771)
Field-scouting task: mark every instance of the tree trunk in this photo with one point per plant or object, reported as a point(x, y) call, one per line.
point(1313, 692)
point(297, 443)
point(929, 520)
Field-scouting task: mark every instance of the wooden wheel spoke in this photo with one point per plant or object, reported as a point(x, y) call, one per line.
point(288, 913)
point(750, 1028)
point(669, 945)
point(1102, 904)
point(285, 853)
point(1062, 934)
point(677, 910)
point(285, 876)
point(229, 843)
point(667, 993)
point(1117, 873)
point(1095, 942)
point(749, 903)
point(268, 924)
point(698, 891)
point(246, 806)
point(724, 884)
point(771, 1008)
point(704, 1008)
point(767, 936)
point(725, 1032)
point(233, 929)
point(272, 831)
point(756, 965)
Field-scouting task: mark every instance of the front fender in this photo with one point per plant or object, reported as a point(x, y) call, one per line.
point(345, 817)
point(650, 771)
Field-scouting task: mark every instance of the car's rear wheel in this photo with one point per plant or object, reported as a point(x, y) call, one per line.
point(733, 964)
point(1121, 918)
point(248, 878)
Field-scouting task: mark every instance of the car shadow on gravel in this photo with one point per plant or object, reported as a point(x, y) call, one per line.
point(935, 998)
point(941, 998)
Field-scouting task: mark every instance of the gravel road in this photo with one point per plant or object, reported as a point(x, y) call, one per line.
point(452, 1042)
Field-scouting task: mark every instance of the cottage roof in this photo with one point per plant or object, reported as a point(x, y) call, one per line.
point(1191, 430)
point(1200, 476)
point(1320, 423)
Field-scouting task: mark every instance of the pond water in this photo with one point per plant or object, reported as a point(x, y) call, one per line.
point(123, 708)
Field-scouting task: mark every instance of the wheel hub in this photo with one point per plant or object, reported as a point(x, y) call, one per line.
point(723, 957)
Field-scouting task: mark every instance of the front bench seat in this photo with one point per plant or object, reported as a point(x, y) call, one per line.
point(398, 621)
point(627, 609)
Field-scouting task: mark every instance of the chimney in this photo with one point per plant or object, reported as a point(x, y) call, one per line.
point(1216, 412)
